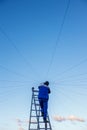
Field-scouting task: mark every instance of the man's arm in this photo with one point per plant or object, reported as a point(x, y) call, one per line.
point(49, 90)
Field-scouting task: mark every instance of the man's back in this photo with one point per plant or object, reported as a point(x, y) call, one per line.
point(44, 92)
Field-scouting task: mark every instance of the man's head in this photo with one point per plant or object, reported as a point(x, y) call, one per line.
point(46, 83)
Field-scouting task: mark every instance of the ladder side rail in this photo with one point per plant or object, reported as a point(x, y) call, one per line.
point(49, 123)
point(30, 111)
point(39, 116)
point(38, 127)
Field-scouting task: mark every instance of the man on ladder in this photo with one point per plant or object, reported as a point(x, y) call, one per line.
point(43, 97)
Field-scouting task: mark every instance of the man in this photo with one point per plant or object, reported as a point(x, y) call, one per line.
point(43, 97)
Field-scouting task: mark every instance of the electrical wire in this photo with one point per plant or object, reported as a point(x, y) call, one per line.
point(15, 81)
point(69, 96)
point(74, 91)
point(18, 51)
point(12, 87)
point(11, 71)
point(71, 76)
point(79, 80)
point(58, 38)
point(66, 96)
point(18, 81)
point(79, 85)
point(72, 67)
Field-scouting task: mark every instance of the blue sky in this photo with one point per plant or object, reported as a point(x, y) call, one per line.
point(38, 42)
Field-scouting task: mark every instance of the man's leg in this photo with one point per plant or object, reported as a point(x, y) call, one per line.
point(45, 107)
point(41, 105)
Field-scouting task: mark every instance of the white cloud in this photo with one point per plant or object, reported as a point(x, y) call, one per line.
point(74, 118)
point(59, 118)
point(21, 128)
point(71, 118)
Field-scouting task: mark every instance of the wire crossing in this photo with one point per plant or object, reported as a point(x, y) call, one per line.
point(36, 121)
point(58, 37)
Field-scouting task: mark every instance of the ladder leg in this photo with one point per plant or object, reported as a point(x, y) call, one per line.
point(45, 125)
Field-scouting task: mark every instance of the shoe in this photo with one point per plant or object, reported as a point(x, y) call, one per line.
point(42, 114)
point(45, 119)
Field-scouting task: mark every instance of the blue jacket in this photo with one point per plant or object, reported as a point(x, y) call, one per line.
point(44, 92)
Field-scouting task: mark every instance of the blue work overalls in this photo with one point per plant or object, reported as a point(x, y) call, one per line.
point(43, 97)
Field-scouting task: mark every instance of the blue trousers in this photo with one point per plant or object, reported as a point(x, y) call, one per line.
point(44, 106)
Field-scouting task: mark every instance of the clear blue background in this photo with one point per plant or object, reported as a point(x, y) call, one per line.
point(33, 50)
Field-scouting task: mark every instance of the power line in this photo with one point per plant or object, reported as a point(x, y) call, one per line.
point(58, 37)
point(75, 92)
point(78, 83)
point(67, 96)
point(70, 96)
point(72, 76)
point(11, 71)
point(17, 50)
point(12, 87)
point(74, 81)
point(14, 81)
point(81, 87)
point(73, 67)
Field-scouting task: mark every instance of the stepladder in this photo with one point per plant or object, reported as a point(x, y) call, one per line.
point(36, 121)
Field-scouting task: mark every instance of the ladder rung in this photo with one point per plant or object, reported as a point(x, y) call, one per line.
point(33, 116)
point(41, 128)
point(32, 129)
point(34, 122)
point(36, 110)
point(35, 95)
point(36, 116)
point(43, 122)
point(35, 91)
point(44, 128)
point(36, 104)
point(39, 122)
point(36, 100)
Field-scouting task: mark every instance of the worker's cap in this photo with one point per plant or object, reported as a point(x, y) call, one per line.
point(46, 83)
